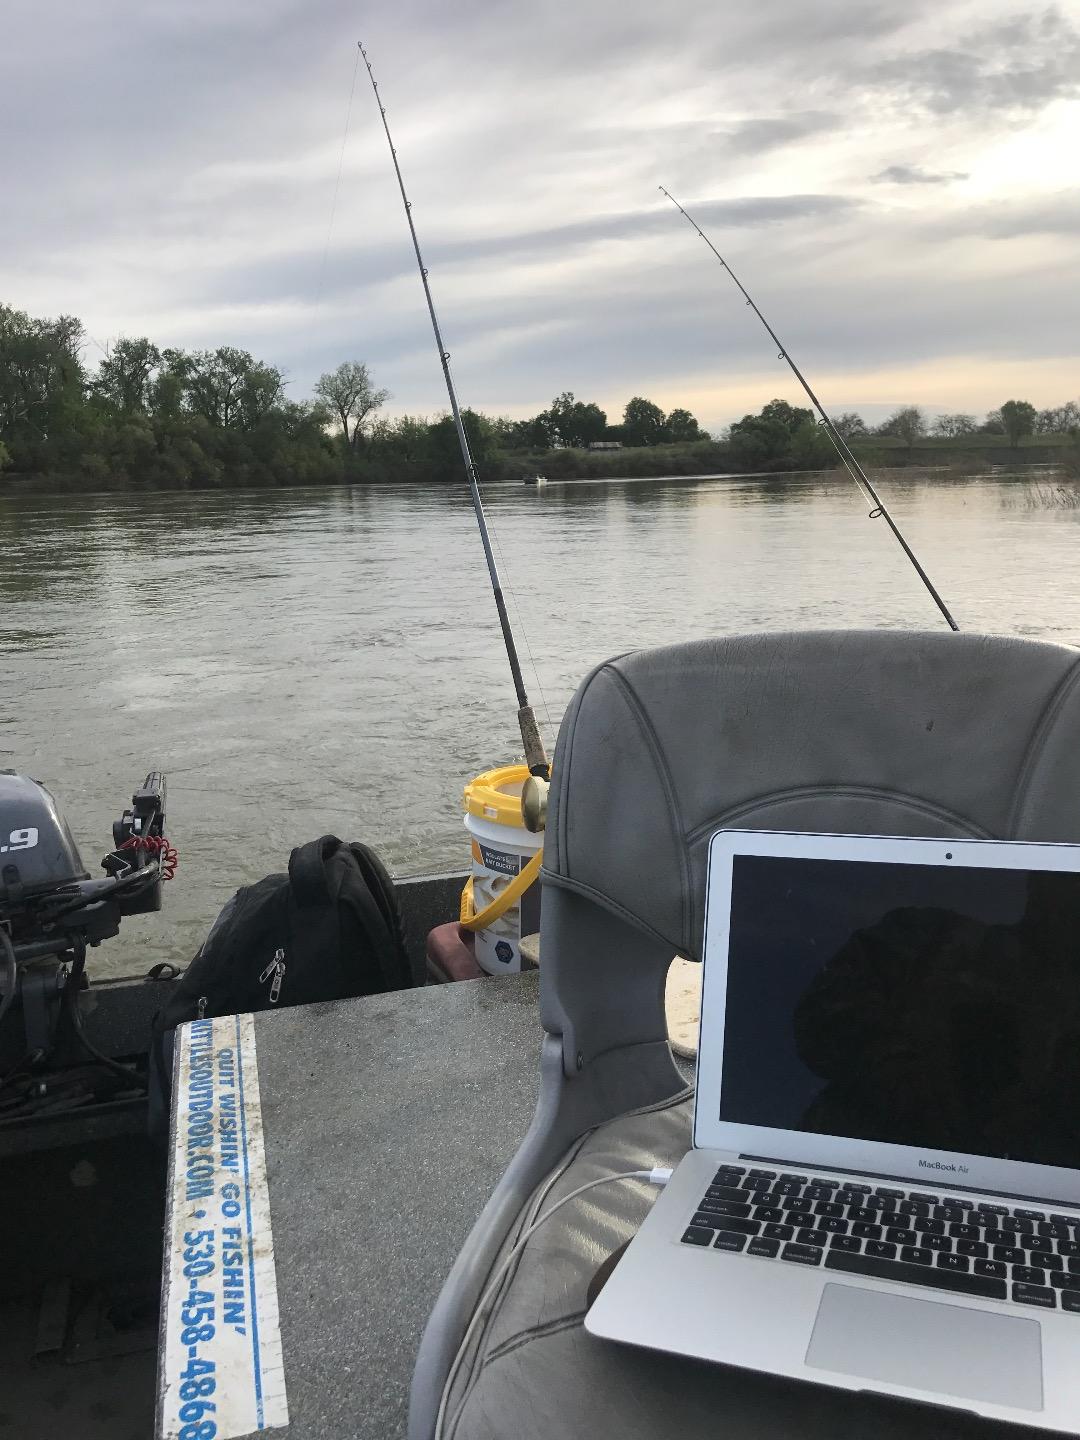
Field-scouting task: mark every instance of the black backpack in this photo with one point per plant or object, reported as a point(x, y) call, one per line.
point(329, 929)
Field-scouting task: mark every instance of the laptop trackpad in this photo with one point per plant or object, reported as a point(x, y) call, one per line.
point(929, 1345)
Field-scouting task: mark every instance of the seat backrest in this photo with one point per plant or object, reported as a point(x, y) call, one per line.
point(868, 732)
point(858, 731)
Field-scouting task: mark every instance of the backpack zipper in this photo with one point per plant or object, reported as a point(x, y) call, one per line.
point(276, 968)
point(200, 1009)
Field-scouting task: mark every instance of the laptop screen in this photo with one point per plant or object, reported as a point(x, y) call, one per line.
point(919, 1005)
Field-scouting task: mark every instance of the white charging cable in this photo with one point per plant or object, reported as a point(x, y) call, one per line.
point(658, 1175)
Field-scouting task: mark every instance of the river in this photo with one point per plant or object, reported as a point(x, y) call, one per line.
point(304, 661)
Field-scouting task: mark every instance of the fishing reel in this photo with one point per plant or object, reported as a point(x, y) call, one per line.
point(534, 803)
point(52, 912)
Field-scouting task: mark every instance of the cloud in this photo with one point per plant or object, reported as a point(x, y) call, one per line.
point(916, 175)
point(755, 137)
point(1014, 66)
point(171, 172)
point(1052, 216)
point(304, 273)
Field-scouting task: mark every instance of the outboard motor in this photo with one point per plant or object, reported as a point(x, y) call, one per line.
point(51, 913)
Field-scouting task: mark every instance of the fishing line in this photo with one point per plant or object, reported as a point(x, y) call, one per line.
point(535, 754)
point(337, 184)
point(551, 729)
point(847, 459)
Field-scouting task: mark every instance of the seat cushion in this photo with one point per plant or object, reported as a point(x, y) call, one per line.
point(534, 1373)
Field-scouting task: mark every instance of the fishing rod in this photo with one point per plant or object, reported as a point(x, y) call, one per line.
point(535, 754)
point(847, 459)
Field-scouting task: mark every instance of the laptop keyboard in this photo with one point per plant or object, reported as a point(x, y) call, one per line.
point(940, 1242)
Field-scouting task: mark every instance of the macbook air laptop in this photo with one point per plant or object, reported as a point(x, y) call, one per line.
point(884, 1187)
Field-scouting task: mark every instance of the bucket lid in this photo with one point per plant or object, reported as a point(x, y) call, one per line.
point(496, 795)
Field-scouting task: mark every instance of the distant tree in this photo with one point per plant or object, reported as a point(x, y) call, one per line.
point(810, 447)
point(682, 428)
point(124, 379)
point(534, 434)
point(446, 448)
point(643, 422)
point(952, 426)
point(851, 425)
point(5, 456)
point(760, 441)
point(41, 385)
point(789, 417)
point(1059, 420)
point(906, 424)
point(993, 424)
point(412, 436)
point(571, 422)
point(228, 387)
point(508, 434)
point(1018, 417)
point(351, 396)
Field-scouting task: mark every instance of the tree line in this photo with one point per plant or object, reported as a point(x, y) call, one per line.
point(784, 436)
point(166, 417)
point(573, 424)
point(154, 417)
point(1016, 419)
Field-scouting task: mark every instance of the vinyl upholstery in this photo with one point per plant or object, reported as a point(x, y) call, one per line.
point(860, 732)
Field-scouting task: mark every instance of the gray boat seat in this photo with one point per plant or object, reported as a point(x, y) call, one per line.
point(856, 731)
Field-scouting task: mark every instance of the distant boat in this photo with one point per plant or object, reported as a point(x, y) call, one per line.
point(534, 479)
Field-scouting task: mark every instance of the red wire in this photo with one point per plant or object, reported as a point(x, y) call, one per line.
point(157, 845)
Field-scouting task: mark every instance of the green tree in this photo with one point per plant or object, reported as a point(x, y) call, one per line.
point(41, 387)
point(350, 395)
point(1059, 420)
point(399, 449)
point(5, 456)
point(951, 427)
point(810, 447)
point(682, 428)
point(850, 425)
point(446, 448)
point(228, 387)
point(534, 434)
point(643, 422)
point(124, 381)
point(1018, 417)
point(760, 441)
point(993, 424)
point(906, 424)
point(570, 422)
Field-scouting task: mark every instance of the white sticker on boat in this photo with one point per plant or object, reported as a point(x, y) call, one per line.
point(220, 1371)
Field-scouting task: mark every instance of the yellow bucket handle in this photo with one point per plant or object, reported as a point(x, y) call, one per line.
point(502, 902)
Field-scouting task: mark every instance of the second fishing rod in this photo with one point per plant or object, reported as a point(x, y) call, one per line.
point(535, 754)
point(847, 459)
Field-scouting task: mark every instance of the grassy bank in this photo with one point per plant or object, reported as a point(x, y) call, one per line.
point(967, 452)
point(707, 457)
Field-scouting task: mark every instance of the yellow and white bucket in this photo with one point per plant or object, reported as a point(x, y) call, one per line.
point(501, 900)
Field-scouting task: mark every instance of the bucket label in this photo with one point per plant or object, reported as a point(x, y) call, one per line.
point(220, 1367)
point(500, 862)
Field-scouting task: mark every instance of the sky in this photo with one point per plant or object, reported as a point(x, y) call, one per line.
point(896, 185)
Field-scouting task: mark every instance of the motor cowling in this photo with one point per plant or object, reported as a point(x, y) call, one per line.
point(37, 850)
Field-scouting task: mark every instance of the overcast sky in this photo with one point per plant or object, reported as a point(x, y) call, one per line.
point(895, 184)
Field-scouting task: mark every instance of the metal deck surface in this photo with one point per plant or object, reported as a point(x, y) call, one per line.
point(387, 1122)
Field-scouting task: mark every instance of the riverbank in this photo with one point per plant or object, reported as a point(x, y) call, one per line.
point(706, 457)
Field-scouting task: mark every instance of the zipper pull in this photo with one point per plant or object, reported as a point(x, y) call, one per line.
point(200, 1009)
point(279, 956)
point(279, 975)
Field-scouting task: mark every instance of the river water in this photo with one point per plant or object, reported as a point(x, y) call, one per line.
point(304, 661)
